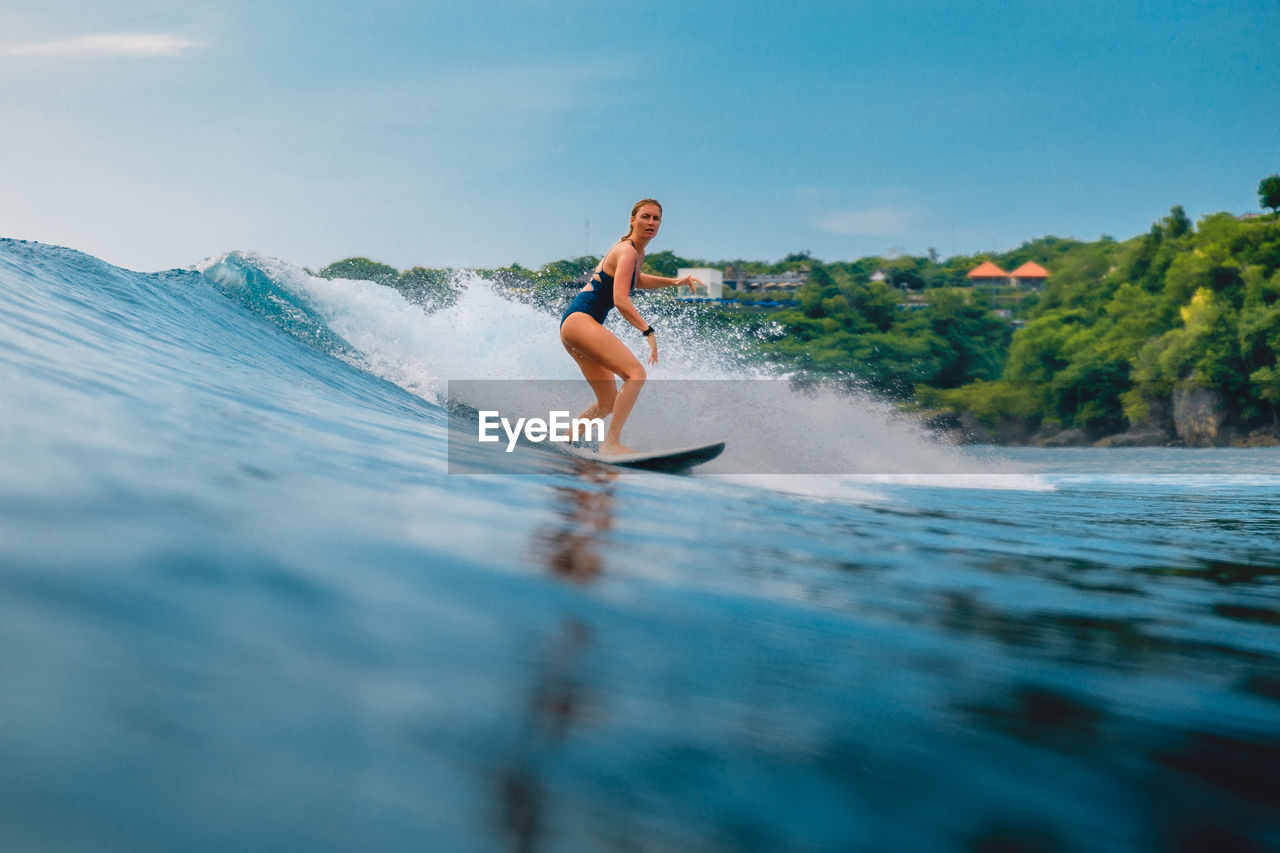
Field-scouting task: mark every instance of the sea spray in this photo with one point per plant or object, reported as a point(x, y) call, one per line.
point(771, 425)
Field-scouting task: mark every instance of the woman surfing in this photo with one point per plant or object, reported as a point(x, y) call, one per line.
point(598, 352)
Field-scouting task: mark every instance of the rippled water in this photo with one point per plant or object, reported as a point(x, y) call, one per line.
point(243, 605)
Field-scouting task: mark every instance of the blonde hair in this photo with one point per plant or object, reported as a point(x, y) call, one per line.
point(636, 209)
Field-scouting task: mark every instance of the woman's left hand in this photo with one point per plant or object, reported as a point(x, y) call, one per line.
point(691, 281)
point(653, 349)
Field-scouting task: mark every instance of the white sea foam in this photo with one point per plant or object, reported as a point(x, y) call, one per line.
point(816, 441)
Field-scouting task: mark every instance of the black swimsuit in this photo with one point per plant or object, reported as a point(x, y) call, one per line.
point(598, 301)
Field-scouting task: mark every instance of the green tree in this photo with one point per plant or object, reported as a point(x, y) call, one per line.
point(1203, 349)
point(1176, 224)
point(1266, 384)
point(666, 262)
point(989, 402)
point(1269, 192)
point(360, 269)
point(1259, 332)
point(430, 288)
point(1039, 350)
point(558, 272)
point(975, 340)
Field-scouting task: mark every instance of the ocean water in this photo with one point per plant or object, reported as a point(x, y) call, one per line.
point(244, 605)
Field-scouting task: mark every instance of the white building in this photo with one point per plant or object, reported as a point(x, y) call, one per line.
point(712, 283)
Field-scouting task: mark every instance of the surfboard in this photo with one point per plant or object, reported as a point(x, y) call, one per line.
point(669, 461)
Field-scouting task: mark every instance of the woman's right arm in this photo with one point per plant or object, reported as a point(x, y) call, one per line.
point(627, 260)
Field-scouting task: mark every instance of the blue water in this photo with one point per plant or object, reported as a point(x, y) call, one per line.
point(244, 606)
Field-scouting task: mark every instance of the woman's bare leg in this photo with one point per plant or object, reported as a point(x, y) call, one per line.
point(606, 388)
point(601, 357)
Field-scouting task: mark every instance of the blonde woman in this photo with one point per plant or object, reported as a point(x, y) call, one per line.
point(598, 352)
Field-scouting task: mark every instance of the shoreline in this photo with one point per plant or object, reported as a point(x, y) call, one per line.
point(1107, 442)
point(962, 428)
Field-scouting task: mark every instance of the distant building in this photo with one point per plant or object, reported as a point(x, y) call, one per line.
point(1030, 275)
point(988, 274)
point(712, 286)
point(744, 282)
point(779, 281)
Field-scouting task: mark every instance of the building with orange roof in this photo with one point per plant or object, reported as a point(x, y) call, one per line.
point(1030, 275)
point(987, 273)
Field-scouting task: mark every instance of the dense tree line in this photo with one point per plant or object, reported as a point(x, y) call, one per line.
point(849, 327)
point(1121, 325)
point(431, 288)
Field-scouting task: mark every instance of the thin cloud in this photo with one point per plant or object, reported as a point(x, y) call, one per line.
point(884, 221)
point(130, 45)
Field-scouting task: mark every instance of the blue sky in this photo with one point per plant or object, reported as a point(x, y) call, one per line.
point(154, 134)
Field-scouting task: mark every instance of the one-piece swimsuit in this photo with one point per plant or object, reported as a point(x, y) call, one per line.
point(598, 301)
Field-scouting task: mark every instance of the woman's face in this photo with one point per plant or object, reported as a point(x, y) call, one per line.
point(646, 220)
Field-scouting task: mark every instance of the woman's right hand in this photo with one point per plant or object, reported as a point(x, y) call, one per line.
point(653, 348)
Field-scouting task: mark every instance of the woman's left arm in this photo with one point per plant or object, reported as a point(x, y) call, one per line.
point(653, 282)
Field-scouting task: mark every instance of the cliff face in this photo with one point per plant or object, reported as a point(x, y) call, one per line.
point(1198, 416)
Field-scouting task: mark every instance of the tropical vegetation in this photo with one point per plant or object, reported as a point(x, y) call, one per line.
point(1119, 329)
